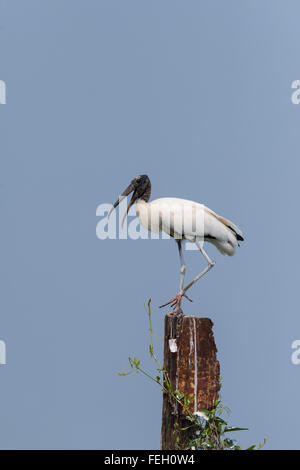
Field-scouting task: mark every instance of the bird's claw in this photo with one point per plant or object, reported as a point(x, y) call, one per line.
point(176, 302)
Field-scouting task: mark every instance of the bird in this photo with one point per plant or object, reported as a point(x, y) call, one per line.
point(183, 220)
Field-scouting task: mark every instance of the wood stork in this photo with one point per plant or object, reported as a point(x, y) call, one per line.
point(183, 220)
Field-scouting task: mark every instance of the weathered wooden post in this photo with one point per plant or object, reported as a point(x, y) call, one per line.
point(190, 360)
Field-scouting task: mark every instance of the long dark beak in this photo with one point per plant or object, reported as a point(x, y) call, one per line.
point(123, 195)
point(132, 201)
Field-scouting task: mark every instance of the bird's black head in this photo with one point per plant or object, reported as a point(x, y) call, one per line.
point(141, 187)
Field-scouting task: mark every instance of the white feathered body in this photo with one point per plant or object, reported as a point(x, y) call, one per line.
point(189, 220)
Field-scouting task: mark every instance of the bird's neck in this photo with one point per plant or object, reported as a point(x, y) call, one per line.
point(141, 202)
point(147, 193)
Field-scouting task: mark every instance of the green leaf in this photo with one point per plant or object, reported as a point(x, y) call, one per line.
point(219, 420)
point(231, 429)
point(260, 445)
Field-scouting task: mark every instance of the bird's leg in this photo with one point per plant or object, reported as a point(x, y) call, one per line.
point(176, 301)
point(182, 265)
point(208, 267)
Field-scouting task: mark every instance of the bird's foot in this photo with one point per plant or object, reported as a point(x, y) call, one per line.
point(176, 303)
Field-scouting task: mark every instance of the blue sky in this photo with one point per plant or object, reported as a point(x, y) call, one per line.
point(198, 96)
